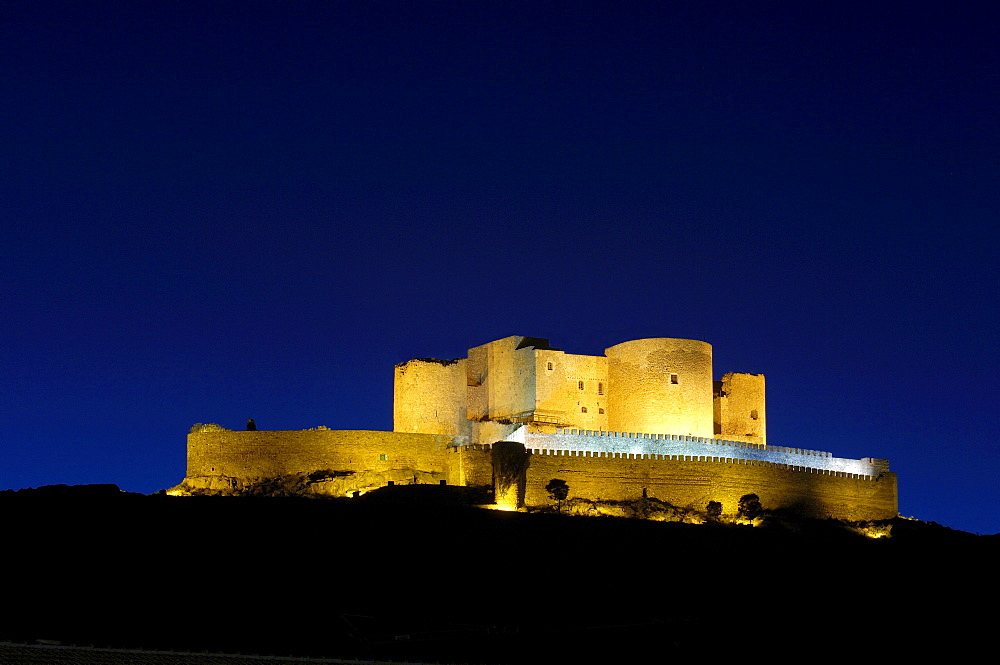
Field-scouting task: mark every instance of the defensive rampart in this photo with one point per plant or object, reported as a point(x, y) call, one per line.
point(634, 443)
point(612, 466)
point(685, 482)
point(691, 481)
point(245, 456)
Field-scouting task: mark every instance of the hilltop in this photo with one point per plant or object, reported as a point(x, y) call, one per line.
point(414, 572)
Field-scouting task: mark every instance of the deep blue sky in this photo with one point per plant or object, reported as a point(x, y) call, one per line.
point(216, 210)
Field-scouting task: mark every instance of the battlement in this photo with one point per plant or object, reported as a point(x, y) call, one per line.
point(871, 468)
point(693, 480)
point(569, 452)
point(695, 446)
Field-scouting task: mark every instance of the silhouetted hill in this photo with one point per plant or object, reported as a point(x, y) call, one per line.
point(415, 572)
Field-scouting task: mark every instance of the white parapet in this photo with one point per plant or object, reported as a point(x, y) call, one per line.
point(638, 443)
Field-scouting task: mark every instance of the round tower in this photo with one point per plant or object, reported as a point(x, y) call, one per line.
point(660, 385)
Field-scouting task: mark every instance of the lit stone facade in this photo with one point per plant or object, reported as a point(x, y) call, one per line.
point(659, 385)
point(645, 419)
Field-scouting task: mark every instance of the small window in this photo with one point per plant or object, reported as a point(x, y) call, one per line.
point(600, 410)
point(753, 415)
point(600, 388)
point(383, 457)
point(673, 379)
point(583, 409)
point(579, 384)
point(548, 365)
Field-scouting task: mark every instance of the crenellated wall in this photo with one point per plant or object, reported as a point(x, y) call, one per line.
point(636, 443)
point(687, 482)
point(811, 482)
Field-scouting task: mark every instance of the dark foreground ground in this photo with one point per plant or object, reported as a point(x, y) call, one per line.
point(414, 574)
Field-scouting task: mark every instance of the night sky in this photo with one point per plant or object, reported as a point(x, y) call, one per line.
point(218, 210)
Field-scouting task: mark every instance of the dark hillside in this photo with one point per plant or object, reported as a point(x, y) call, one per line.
point(413, 573)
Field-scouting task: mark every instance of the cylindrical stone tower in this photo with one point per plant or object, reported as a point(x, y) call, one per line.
point(660, 386)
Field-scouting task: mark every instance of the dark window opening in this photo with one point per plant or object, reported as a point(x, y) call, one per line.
point(673, 379)
point(579, 384)
point(600, 388)
point(583, 409)
point(548, 365)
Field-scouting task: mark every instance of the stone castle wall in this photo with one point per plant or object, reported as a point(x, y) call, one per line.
point(634, 443)
point(266, 454)
point(693, 483)
point(681, 479)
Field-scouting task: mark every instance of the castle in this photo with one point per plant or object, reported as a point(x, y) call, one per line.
point(645, 420)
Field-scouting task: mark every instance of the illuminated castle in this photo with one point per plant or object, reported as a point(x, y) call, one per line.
point(649, 385)
point(644, 420)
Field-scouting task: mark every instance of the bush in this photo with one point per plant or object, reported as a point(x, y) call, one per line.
point(713, 510)
point(558, 491)
point(749, 507)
